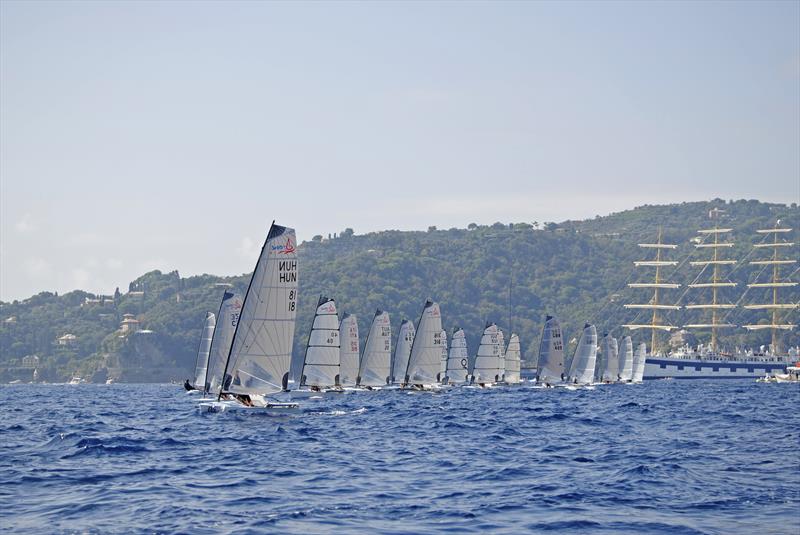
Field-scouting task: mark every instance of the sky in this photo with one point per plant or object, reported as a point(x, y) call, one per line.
point(168, 135)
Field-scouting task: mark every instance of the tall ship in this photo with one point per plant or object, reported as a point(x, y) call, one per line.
point(711, 311)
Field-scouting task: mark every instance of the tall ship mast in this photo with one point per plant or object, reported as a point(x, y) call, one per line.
point(716, 283)
point(775, 284)
point(658, 283)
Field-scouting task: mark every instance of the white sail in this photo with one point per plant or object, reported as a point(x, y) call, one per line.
point(551, 353)
point(610, 359)
point(584, 361)
point(402, 351)
point(349, 350)
point(457, 359)
point(258, 362)
point(321, 363)
point(376, 362)
point(638, 362)
point(227, 318)
point(201, 363)
point(513, 359)
point(501, 360)
point(443, 362)
point(486, 369)
point(626, 360)
point(426, 349)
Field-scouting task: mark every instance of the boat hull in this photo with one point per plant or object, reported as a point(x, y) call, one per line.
point(698, 368)
point(270, 409)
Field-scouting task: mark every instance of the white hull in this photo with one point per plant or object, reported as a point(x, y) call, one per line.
point(270, 409)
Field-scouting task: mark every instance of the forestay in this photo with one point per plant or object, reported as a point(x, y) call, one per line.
point(583, 362)
point(457, 358)
point(402, 350)
point(638, 362)
point(626, 360)
point(610, 359)
point(258, 362)
point(551, 353)
point(227, 317)
point(486, 369)
point(201, 364)
point(375, 367)
point(513, 360)
point(426, 349)
point(321, 363)
point(349, 350)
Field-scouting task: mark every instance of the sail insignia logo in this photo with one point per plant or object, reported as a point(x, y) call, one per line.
point(284, 249)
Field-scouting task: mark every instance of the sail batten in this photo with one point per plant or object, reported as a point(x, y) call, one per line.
point(487, 360)
point(349, 349)
point(227, 318)
point(376, 362)
point(551, 353)
point(321, 365)
point(402, 350)
point(426, 349)
point(260, 354)
point(457, 370)
point(584, 361)
point(204, 351)
point(513, 360)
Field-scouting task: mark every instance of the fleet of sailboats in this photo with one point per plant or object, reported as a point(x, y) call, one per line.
point(244, 354)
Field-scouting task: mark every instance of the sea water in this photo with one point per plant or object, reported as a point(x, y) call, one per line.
point(661, 457)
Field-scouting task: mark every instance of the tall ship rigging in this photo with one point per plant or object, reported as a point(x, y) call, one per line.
point(711, 359)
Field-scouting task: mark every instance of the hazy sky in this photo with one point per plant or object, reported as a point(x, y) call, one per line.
point(145, 135)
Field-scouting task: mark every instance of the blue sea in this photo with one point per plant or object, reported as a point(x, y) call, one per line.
point(662, 457)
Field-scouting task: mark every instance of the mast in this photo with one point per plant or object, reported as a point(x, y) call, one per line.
point(775, 283)
point(658, 284)
point(716, 281)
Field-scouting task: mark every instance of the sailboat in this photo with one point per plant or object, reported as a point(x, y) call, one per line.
point(257, 366)
point(426, 350)
point(402, 351)
point(626, 360)
point(551, 354)
point(457, 371)
point(349, 351)
point(376, 363)
point(711, 360)
point(581, 371)
point(610, 371)
point(513, 361)
point(486, 370)
point(227, 317)
point(638, 363)
point(320, 371)
point(201, 362)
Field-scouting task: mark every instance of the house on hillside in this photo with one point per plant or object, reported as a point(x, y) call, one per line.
point(129, 324)
point(67, 340)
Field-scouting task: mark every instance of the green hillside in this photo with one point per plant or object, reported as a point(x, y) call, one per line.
point(509, 273)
